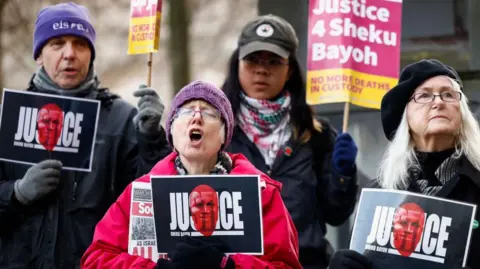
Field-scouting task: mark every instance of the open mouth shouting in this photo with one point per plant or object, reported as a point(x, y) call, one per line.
point(195, 135)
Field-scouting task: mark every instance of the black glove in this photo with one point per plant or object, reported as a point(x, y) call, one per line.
point(349, 259)
point(164, 264)
point(150, 111)
point(201, 253)
point(38, 181)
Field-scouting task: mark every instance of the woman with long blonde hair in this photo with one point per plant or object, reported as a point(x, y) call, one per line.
point(434, 145)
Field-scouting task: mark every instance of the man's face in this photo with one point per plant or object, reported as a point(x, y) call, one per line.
point(49, 125)
point(204, 208)
point(408, 224)
point(66, 60)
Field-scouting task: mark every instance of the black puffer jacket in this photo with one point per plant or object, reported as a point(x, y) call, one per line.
point(55, 232)
point(313, 193)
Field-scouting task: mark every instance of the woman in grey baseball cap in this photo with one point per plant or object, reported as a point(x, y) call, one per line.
point(277, 131)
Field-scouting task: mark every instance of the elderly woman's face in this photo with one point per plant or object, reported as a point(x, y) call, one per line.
point(197, 131)
point(439, 117)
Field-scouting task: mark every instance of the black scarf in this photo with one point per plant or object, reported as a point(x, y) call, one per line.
point(436, 169)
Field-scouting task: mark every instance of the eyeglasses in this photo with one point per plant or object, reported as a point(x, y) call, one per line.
point(208, 115)
point(252, 61)
point(427, 97)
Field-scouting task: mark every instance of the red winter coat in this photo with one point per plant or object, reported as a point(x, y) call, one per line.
point(110, 242)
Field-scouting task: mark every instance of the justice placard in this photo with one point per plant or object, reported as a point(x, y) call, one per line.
point(35, 127)
point(223, 208)
point(398, 229)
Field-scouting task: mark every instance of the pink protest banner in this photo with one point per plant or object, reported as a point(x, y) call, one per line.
point(144, 31)
point(353, 50)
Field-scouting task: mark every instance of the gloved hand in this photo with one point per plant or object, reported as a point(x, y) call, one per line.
point(201, 253)
point(344, 154)
point(150, 111)
point(349, 259)
point(39, 180)
point(164, 264)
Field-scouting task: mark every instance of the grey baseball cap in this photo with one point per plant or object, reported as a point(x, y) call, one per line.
point(268, 33)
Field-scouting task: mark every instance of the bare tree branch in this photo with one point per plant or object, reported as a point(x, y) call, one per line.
point(220, 35)
point(16, 9)
point(110, 18)
point(25, 60)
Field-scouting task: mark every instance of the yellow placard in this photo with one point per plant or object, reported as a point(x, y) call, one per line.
point(346, 85)
point(144, 34)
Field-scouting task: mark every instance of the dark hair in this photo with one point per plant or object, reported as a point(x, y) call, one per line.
point(301, 114)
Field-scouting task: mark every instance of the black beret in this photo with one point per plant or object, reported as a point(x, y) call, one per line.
point(413, 75)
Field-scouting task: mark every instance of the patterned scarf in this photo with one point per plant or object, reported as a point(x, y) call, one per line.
point(446, 171)
point(266, 123)
point(223, 166)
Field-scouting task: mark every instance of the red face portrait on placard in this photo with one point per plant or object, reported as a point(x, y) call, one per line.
point(408, 224)
point(49, 125)
point(204, 208)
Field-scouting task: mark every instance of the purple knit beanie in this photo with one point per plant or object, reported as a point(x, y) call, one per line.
point(199, 90)
point(61, 20)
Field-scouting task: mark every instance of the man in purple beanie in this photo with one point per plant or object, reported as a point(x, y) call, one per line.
point(47, 215)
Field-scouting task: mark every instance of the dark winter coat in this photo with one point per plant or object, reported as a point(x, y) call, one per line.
point(465, 188)
point(313, 193)
point(55, 231)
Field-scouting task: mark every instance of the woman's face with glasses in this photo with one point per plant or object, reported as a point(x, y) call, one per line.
point(434, 110)
point(197, 131)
